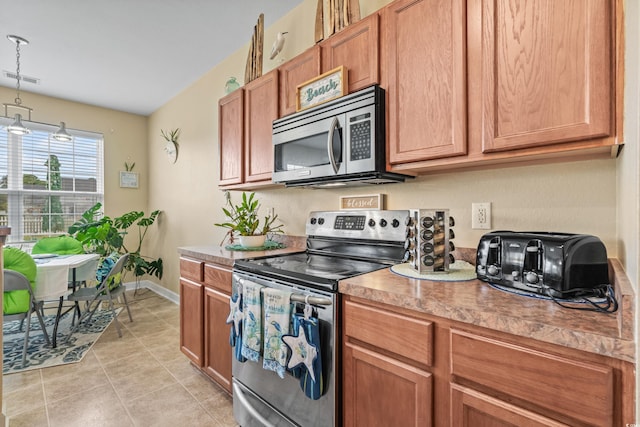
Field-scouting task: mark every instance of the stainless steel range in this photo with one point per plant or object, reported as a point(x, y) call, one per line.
point(340, 244)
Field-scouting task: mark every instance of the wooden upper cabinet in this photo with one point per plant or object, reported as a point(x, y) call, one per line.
point(260, 110)
point(300, 69)
point(423, 61)
point(230, 137)
point(356, 48)
point(546, 72)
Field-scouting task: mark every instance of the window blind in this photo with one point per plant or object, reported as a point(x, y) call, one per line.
point(46, 185)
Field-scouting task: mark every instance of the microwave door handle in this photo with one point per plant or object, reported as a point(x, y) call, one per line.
point(334, 124)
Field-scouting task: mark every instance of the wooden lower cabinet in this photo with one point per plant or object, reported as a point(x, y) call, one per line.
point(205, 290)
point(191, 319)
point(458, 374)
point(381, 391)
point(217, 361)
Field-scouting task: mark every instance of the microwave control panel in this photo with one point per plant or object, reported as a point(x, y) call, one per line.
point(360, 132)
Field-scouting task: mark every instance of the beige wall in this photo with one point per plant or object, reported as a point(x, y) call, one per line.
point(125, 140)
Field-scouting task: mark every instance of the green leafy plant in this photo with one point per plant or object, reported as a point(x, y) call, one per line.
point(244, 219)
point(105, 236)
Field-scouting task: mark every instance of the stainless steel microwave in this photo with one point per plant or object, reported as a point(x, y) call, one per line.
point(341, 142)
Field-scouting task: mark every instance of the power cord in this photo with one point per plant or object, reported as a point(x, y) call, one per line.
point(609, 305)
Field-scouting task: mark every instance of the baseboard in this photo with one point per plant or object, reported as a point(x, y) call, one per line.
point(148, 284)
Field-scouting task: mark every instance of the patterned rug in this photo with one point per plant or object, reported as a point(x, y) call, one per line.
point(39, 353)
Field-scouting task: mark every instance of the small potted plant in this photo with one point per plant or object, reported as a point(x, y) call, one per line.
point(244, 221)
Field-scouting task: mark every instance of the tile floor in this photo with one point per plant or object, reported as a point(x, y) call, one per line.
point(141, 379)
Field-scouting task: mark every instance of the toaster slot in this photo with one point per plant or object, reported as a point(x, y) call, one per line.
point(532, 265)
point(494, 257)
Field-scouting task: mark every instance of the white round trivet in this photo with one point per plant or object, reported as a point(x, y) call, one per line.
point(459, 271)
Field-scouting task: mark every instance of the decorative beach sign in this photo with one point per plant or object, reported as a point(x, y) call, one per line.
point(325, 87)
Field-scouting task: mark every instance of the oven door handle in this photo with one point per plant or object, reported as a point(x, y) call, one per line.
point(332, 158)
point(311, 300)
point(239, 394)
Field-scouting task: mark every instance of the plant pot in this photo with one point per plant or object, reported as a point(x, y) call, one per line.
point(255, 241)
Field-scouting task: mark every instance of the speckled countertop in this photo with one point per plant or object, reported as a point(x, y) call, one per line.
point(477, 303)
point(222, 256)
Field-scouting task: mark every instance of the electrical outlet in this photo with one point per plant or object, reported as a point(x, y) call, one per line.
point(481, 216)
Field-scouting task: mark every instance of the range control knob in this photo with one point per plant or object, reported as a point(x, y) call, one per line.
point(492, 270)
point(395, 223)
point(452, 222)
point(320, 221)
point(383, 222)
point(372, 223)
point(531, 277)
point(313, 220)
point(452, 235)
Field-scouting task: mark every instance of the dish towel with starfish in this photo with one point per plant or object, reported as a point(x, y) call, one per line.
point(306, 358)
point(251, 321)
point(277, 316)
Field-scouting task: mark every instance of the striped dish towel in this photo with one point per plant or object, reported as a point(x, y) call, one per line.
point(252, 322)
point(277, 316)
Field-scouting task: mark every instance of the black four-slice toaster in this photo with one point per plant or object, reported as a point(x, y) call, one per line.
point(556, 264)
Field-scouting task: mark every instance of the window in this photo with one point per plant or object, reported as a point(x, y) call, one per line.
point(46, 185)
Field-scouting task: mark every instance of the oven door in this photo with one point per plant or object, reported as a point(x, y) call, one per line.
point(262, 398)
point(310, 150)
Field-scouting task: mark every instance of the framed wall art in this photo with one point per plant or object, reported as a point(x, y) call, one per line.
point(369, 202)
point(128, 179)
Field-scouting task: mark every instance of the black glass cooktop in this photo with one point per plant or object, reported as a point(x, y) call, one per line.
point(319, 271)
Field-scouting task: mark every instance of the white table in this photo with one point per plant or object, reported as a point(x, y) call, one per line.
point(55, 273)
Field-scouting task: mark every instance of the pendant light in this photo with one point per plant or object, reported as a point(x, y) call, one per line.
point(17, 127)
point(62, 134)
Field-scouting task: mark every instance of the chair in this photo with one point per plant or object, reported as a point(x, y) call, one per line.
point(17, 282)
point(61, 245)
point(110, 288)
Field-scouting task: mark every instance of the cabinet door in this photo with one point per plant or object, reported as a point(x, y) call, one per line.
point(260, 110)
point(546, 72)
point(230, 137)
point(191, 309)
point(299, 70)
point(381, 391)
point(473, 409)
point(217, 363)
point(356, 48)
point(424, 58)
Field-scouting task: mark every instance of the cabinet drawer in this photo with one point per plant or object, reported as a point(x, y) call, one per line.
point(583, 391)
point(405, 336)
point(218, 277)
point(191, 269)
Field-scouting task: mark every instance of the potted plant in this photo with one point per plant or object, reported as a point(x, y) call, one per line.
point(106, 236)
point(243, 220)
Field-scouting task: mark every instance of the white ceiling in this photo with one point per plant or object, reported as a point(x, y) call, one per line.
point(129, 55)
